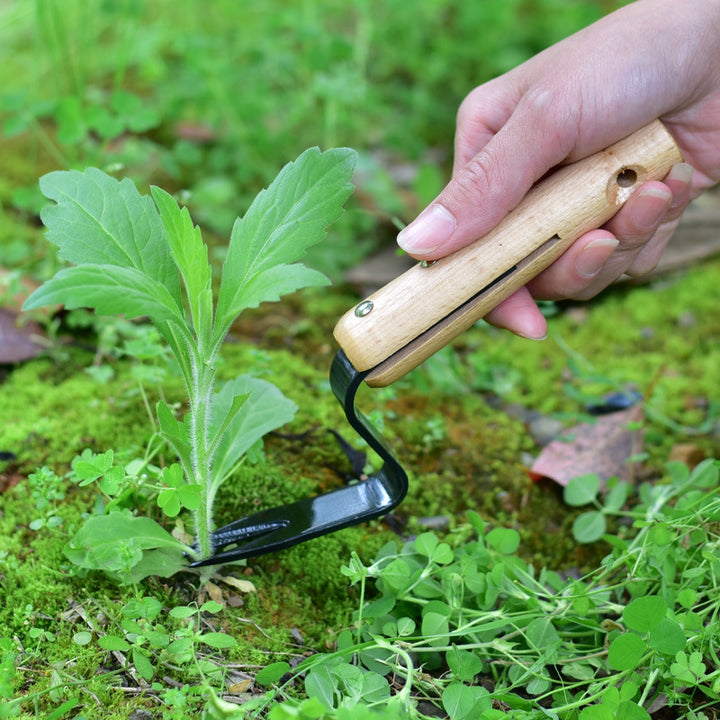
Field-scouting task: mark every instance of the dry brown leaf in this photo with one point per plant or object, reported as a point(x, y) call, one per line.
point(214, 592)
point(242, 585)
point(19, 342)
point(241, 687)
point(601, 447)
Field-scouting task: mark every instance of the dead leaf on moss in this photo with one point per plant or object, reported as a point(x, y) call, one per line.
point(19, 341)
point(687, 453)
point(215, 592)
point(601, 447)
point(240, 687)
point(242, 585)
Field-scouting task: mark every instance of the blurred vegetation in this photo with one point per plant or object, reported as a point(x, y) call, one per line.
point(211, 99)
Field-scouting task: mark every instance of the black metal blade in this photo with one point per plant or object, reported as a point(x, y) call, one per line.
point(286, 525)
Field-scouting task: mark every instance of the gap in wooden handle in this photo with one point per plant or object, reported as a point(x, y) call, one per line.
point(626, 178)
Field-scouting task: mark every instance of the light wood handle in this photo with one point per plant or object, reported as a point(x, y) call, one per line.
point(422, 310)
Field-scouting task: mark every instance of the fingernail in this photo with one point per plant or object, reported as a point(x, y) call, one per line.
point(531, 336)
point(650, 207)
point(429, 231)
point(594, 256)
point(682, 172)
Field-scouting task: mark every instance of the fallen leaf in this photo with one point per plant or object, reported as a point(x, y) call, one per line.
point(8, 481)
point(601, 448)
point(242, 585)
point(687, 453)
point(19, 342)
point(215, 592)
point(240, 687)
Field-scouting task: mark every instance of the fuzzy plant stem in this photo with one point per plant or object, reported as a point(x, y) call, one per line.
point(203, 375)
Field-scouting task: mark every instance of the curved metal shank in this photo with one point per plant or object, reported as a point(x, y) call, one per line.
point(286, 525)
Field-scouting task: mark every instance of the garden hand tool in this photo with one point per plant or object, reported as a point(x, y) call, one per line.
point(412, 317)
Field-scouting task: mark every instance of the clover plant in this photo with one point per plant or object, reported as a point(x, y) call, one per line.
point(142, 256)
point(475, 632)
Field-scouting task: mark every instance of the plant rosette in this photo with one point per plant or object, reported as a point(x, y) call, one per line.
point(142, 256)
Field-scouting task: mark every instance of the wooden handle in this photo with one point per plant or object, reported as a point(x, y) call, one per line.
point(422, 310)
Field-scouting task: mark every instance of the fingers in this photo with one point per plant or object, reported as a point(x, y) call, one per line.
point(520, 315)
point(632, 242)
point(493, 169)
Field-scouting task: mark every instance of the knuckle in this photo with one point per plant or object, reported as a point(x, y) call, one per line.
point(473, 179)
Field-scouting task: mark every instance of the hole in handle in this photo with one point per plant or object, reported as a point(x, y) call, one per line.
point(626, 178)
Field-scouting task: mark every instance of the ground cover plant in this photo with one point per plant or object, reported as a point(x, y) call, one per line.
point(487, 594)
point(130, 254)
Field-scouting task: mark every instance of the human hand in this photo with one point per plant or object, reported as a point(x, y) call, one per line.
point(653, 58)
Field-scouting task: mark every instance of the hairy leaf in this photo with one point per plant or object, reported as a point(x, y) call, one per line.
point(174, 432)
point(264, 409)
point(103, 221)
point(190, 255)
point(283, 221)
point(110, 291)
point(116, 542)
point(271, 284)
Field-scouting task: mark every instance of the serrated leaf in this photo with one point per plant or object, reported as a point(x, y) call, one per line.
point(271, 284)
point(110, 290)
point(264, 409)
point(283, 221)
point(103, 221)
point(190, 255)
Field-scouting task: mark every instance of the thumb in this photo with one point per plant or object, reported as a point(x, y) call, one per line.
point(489, 185)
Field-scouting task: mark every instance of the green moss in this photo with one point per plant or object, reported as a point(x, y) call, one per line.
point(461, 453)
point(660, 339)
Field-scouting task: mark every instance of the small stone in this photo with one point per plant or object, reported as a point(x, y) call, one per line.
point(545, 429)
point(687, 320)
point(141, 714)
point(436, 522)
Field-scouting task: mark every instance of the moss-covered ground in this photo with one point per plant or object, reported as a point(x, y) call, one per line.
point(228, 94)
point(461, 449)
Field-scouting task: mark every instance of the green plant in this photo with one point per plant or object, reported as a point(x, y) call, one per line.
point(142, 256)
point(471, 627)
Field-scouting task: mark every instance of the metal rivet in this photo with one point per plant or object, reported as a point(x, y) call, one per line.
point(427, 263)
point(364, 308)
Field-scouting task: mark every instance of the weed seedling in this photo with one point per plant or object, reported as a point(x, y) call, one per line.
point(141, 256)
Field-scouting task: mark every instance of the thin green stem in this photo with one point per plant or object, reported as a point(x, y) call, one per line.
point(200, 395)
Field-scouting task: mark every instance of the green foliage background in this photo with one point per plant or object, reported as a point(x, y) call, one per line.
point(209, 100)
point(213, 98)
